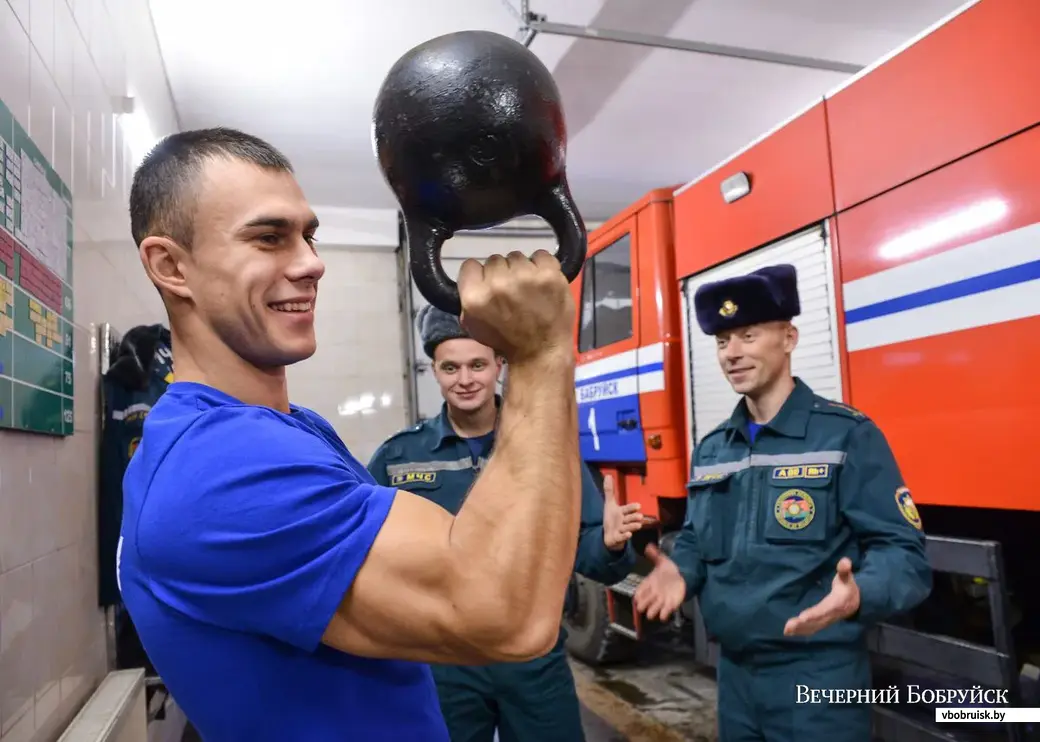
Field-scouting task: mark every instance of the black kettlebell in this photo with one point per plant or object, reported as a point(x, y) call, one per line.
point(469, 132)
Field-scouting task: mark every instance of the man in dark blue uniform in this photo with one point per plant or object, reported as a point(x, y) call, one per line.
point(533, 701)
point(800, 531)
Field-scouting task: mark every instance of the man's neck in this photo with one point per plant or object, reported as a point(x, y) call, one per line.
point(228, 372)
point(765, 405)
point(474, 423)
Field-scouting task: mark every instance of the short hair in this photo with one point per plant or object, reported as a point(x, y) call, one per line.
point(161, 198)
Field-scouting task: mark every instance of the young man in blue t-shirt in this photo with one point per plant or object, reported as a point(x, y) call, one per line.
point(278, 590)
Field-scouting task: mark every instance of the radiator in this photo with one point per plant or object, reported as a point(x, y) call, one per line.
point(116, 712)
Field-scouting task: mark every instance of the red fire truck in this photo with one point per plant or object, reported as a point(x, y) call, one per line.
point(909, 201)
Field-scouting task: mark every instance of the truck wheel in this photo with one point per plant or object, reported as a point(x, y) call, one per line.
point(587, 621)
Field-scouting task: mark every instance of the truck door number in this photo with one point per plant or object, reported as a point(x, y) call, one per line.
point(592, 427)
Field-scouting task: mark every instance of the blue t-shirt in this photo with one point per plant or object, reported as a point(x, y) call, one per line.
point(753, 429)
point(242, 530)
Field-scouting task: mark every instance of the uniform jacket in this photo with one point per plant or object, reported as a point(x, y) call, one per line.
point(767, 523)
point(140, 371)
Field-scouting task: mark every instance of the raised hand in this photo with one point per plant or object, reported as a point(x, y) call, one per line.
point(840, 603)
point(522, 307)
point(619, 521)
point(661, 592)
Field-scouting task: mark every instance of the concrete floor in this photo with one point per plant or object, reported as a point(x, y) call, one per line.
point(663, 696)
point(599, 730)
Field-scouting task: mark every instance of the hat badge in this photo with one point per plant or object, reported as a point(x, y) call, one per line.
point(728, 308)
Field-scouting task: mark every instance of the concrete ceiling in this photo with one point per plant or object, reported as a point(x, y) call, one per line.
point(304, 75)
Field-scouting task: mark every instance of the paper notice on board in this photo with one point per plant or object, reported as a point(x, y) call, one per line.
point(44, 219)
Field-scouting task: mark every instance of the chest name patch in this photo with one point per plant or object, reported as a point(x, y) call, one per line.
point(803, 471)
point(413, 477)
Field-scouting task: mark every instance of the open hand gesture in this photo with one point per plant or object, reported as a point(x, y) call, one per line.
point(840, 603)
point(663, 590)
point(619, 521)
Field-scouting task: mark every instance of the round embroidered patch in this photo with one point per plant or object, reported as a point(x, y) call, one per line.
point(907, 507)
point(794, 510)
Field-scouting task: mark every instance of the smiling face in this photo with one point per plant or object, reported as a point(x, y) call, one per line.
point(755, 357)
point(249, 280)
point(467, 372)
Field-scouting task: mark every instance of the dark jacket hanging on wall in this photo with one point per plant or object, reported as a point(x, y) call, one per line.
point(140, 371)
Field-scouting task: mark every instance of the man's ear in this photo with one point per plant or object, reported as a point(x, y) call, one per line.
point(790, 337)
point(163, 261)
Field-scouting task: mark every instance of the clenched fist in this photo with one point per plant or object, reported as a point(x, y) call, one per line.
point(522, 307)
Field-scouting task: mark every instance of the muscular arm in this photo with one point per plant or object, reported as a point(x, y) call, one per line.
point(488, 584)
point(895, 574)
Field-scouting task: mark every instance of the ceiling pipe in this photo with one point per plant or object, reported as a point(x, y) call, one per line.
point(534, 24)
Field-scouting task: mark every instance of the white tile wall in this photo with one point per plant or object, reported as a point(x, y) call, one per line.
point(356, 379)
point(62, 62)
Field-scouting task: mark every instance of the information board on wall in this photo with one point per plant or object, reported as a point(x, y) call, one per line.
point(36, 378)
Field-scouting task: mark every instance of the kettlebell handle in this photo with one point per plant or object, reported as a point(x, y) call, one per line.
point(425, 241)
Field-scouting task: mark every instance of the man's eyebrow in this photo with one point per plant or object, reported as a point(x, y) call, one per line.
point(278, 222)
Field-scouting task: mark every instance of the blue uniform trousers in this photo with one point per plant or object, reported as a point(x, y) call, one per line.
point(532, 701)
point(758, 696)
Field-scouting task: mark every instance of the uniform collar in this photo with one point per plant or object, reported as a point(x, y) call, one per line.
point(791, 421)
point(446, 432)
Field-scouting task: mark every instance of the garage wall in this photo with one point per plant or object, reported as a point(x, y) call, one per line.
point(456, 251)
point(357, 378)
point(62, 63)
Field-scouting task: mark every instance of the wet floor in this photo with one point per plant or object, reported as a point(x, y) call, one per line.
point(663, 696)
point(597, 729)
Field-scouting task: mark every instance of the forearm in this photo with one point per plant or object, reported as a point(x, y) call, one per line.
point(894, 574)
point(891, 581)
point(687, 558)
point(596, 562)
point(515, 537)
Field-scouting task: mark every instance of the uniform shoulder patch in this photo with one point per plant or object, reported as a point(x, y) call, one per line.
point(907, 508)
point(830, 407)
